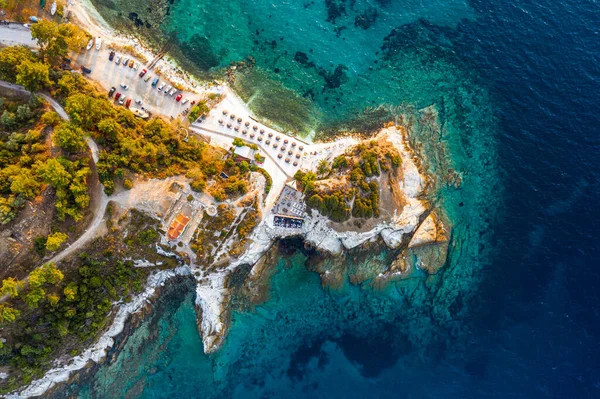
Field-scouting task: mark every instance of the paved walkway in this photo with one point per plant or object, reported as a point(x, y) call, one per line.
point(15, 33)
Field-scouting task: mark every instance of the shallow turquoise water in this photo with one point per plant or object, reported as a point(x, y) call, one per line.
point(297, 44)
point(302, 329)
point(306, 341)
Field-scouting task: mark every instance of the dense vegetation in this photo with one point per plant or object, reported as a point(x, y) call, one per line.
point(358, 170)
point(56, 311)
point(27, 165)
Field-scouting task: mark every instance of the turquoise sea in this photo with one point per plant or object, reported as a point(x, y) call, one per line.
point(514, 313)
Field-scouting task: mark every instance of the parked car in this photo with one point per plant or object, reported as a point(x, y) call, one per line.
point(125, 61)
point(167, 90)
point(118, 60)
point(173, 90)
point(112, 91)
point(131, 62)
point(117, 96)
point(65, 66)
point(85, 70)
point(178, 97)
point(66, 60)
point(122, 100)
point(124, 86)
point(185, 100)
point(162, 85)
point(142, 73)
point(136, 66)
point(154, 82)
point(138, 101)
point(147, 78)
point(111, 56)
point(98, 43)
point(128, 103)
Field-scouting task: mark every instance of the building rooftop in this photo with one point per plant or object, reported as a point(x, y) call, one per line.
point(177, 226)
point(244, 152)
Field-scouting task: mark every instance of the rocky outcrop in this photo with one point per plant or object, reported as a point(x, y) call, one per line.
point(415, 227)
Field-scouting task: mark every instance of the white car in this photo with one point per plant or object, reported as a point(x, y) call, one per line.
point(135, 66)
point(184, 101)
point(118, 60)
point(138, 101)
point(122, 100)
point(167, 90)
point(125, 61)
point(98, 43)
point(173, 91)
point(124, 86)
point(162, 86)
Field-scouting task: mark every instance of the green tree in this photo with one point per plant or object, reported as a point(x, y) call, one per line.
point(33, 76)
point(323, 167)
point(54, 173)
point(69, 137)
point(8, 314)
point(24, 113)
point(11, 287)
point(198, 110)
point(70, 291)
point(238, 142)
point(51, 118)
point(86, 111)
point(50, 39)
point(8, 120)
point(25, 184)
point(75, 37)
point(11, 58)
point(55, 240)
point(34, 297)
point(52, 274)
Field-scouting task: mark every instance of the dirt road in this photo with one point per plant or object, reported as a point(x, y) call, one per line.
point(102, 202)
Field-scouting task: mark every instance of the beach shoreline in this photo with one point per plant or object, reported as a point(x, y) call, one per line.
point(211, 290)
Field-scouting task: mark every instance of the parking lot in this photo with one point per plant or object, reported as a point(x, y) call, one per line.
point(109, 74)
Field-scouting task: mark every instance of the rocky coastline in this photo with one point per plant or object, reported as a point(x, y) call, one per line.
point(418, 235)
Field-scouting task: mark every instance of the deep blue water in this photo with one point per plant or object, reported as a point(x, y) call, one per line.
point(534, 328)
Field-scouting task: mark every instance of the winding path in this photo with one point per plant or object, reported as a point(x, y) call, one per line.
point(102, 198)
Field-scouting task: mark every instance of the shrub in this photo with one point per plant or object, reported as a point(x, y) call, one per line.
point(55, 240)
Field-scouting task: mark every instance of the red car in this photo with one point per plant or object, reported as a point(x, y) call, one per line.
point(128, 103)
point(178, 97)
point(117, 96)
point(142, 73)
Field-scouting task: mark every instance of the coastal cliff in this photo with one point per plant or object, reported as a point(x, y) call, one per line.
point(416, 231)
